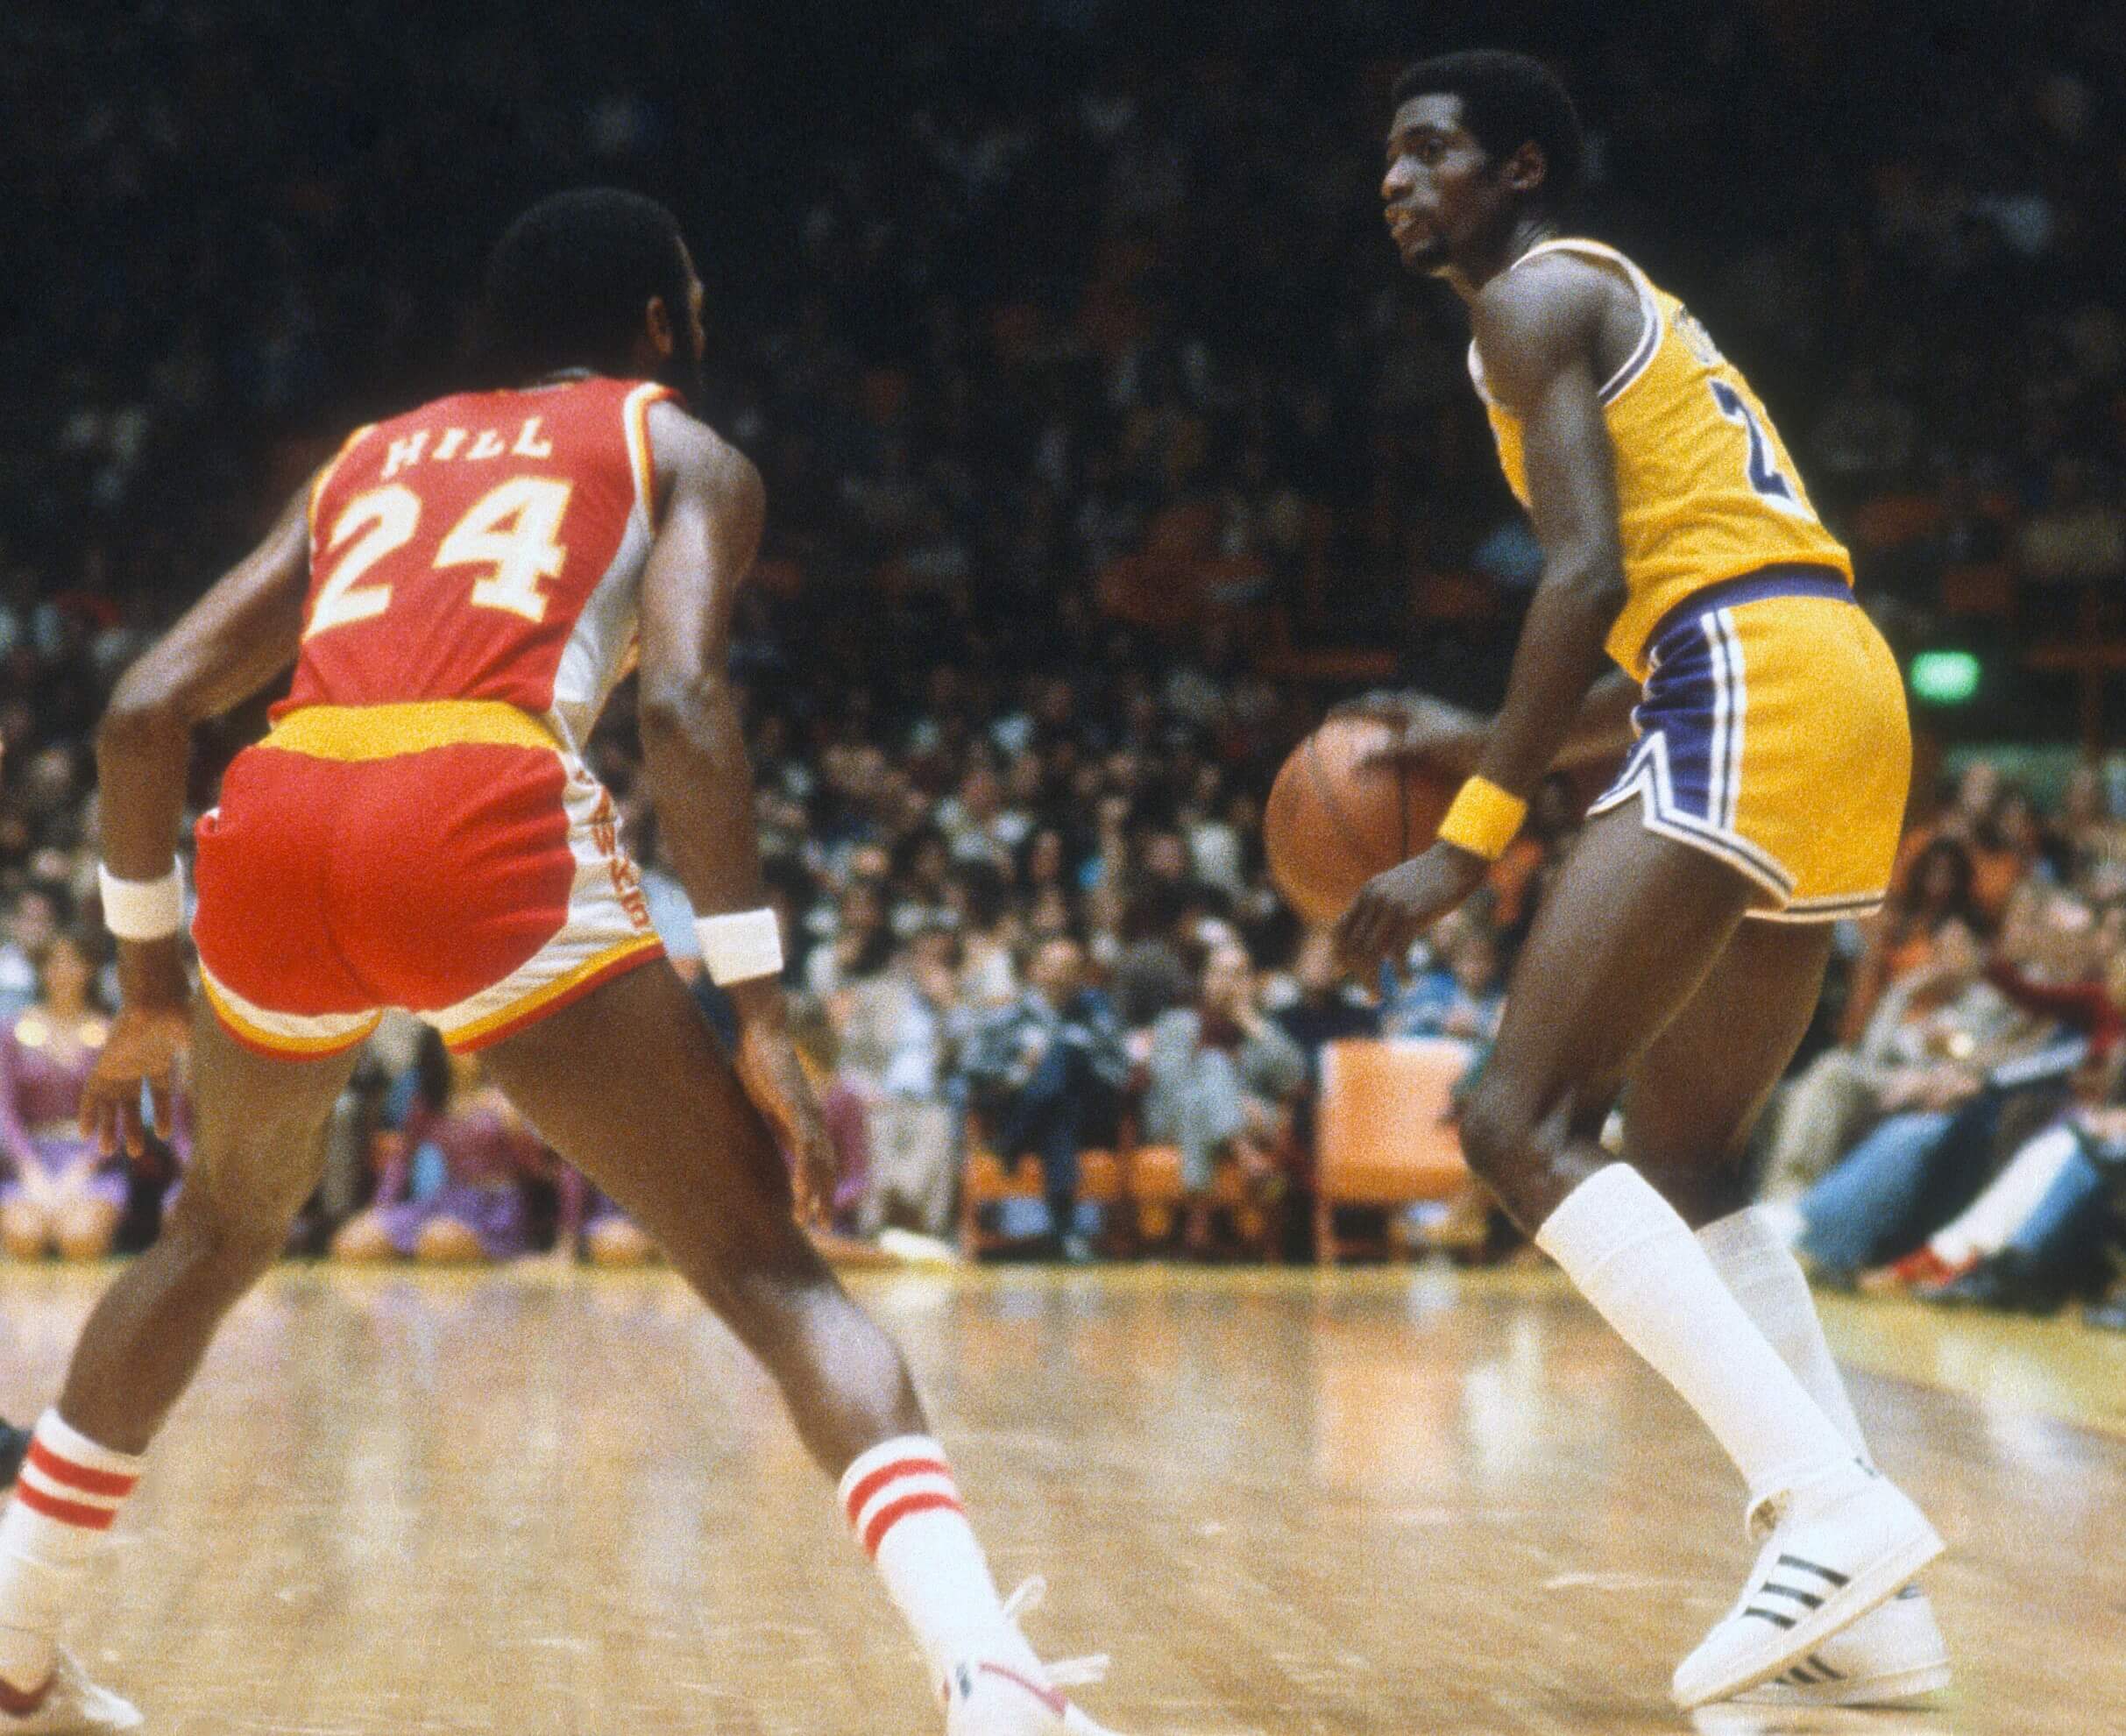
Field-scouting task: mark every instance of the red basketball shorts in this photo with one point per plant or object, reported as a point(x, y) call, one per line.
point(446, 857)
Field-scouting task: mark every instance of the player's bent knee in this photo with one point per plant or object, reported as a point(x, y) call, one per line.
point(229, 1248)
point(1499, 1133)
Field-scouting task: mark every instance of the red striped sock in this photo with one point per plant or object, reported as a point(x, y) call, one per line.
point(67, 1496)
point(904, 1508)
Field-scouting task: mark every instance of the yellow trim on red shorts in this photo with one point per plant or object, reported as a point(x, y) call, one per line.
point(359, 733)
point(639, 949)
point(272, 1044)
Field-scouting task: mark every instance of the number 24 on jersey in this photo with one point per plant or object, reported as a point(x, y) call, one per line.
point(514, 530)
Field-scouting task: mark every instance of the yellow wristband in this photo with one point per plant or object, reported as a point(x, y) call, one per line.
point(1483, 819)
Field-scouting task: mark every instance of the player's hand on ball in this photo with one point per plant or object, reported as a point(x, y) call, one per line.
point(1429, 733)
point(1399, 905)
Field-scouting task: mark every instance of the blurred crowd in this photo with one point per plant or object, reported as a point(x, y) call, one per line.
point(1090, 404)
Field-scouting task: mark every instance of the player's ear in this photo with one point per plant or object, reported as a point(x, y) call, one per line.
point(1527, 168)
point(657, 327)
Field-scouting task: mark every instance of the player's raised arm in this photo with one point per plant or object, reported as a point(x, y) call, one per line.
point(233, 641)
point(1536, 330)
point(710, 518)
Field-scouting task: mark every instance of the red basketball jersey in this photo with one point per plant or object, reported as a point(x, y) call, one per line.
point(487, 546)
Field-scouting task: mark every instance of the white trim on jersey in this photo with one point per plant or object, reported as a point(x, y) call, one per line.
point(597, 654)
point(1650, 314)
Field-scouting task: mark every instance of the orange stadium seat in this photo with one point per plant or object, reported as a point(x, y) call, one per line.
point(1157, 1193)
point(1102, 1179)
point(986, 1182)
point(1382, 1135)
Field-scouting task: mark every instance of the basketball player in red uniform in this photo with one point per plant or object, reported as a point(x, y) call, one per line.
point(460, 589)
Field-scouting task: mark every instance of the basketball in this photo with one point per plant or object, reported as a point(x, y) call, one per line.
point(1332, 822)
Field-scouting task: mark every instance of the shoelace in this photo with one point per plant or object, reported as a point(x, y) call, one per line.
point(1066, 1672)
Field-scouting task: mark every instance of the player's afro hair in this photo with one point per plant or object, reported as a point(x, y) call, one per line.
point(1507, 100)
point(567, 283)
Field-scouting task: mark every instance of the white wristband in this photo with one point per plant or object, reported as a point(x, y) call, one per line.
point(740, 946)
point(143, 909)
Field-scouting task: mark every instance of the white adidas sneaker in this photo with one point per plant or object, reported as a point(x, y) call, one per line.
point(1837, 1547)
point(1000, 1696)
point(1891, 1656)
point(68, 1705)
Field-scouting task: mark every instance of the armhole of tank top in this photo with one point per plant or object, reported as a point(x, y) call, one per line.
point(1477, 379)
point(641, 457)
point(1649, 308)
point(324, 476)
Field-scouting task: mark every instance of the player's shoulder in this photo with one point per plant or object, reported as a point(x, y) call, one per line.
point(1541, 315)
point(687, 449)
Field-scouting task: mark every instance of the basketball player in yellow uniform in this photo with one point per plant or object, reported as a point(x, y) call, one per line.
point(1678, 959)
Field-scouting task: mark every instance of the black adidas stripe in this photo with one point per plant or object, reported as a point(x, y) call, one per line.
point(1831, 1574)
point(1772, 1616)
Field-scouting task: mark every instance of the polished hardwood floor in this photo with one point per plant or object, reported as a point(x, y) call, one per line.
point(536, 1503)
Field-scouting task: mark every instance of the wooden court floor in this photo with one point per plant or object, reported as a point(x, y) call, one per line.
point(537, 1503)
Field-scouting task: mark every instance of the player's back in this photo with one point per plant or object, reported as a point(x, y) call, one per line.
point(485, 546)
point(419, 829)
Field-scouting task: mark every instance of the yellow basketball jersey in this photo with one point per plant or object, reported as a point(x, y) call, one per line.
point(1705, 490)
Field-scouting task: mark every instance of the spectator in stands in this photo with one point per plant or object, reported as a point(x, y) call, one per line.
point(455, 1188)
point(2037, 1231)
point(1459, 994)
point(1323, 1009)
point(61, 1193)
point(31, 924)
point(1916, 1056)
point(900, 1038)
point(1933, 898)
point(1221, 1081)
point(844, 1104)
point(1046, 1074)
point(1932, 1153)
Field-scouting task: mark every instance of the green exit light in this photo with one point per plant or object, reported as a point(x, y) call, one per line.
point(1944, 678)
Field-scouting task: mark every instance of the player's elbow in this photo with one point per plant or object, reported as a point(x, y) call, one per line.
point(682, 704)
point(1593, 578)
point(144, 707)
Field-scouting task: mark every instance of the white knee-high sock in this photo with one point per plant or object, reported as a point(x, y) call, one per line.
point(67, 1496)
point(904, 1506)
point(1635, 1259)
point(1755, 1263)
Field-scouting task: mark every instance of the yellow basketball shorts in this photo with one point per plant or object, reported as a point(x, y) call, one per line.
point(1772, 735)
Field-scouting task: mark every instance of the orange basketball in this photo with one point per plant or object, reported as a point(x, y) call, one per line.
point(1332, 822)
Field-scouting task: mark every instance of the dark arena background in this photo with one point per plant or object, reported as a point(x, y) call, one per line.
point(1106, 446)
